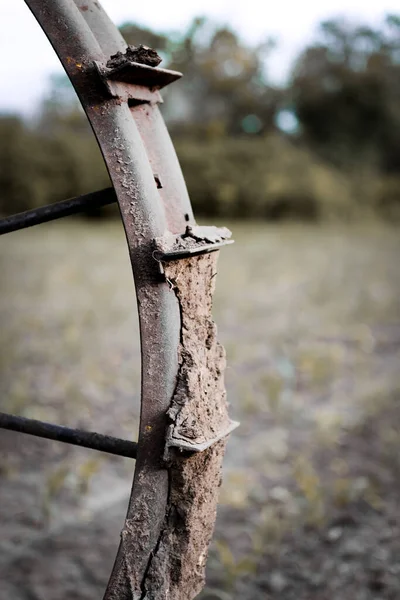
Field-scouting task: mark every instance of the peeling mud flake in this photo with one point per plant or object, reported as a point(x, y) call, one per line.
point(198, 411)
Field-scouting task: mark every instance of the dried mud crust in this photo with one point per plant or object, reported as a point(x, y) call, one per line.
point(138, 54)
point(177, 570)
point(198, 413)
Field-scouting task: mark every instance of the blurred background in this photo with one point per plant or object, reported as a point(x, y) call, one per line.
point(287, 127)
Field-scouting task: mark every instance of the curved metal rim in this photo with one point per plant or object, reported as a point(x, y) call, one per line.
point(80, 34)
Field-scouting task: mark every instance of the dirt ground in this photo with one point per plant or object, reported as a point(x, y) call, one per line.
point(310, 318)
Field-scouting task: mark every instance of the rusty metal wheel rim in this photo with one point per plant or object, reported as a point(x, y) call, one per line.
point(121, 98)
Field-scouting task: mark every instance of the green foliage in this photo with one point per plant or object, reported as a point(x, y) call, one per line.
point(266, 177)
point(48, 162)
point(345, 90)
point(218, 66)
point(135, 34)
point(341, 161)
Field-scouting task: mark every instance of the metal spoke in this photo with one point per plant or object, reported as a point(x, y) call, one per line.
point(76, 437)
point(58, 210)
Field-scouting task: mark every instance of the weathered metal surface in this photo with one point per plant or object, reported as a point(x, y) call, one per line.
point(65, 208)
point(138, 74)
point(76, 437)
point(197, 415)
point(144, 219)
point(172, 507)
point(135, 82)
point(102, 26)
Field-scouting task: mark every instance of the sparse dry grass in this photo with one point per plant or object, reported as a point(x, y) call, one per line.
point(310, 318)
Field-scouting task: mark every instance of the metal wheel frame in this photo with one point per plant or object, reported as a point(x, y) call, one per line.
point(121, 104)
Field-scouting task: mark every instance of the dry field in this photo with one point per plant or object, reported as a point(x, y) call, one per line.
point(310, 318)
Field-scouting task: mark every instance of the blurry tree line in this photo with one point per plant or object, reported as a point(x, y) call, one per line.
point(327, 144)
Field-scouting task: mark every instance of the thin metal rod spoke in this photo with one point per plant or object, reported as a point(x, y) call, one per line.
point(76, 437)
point(58, 210)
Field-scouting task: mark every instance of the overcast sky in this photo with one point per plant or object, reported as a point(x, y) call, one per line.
point(291, 22)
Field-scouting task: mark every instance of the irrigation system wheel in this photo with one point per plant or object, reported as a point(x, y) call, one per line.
point(184, 422)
